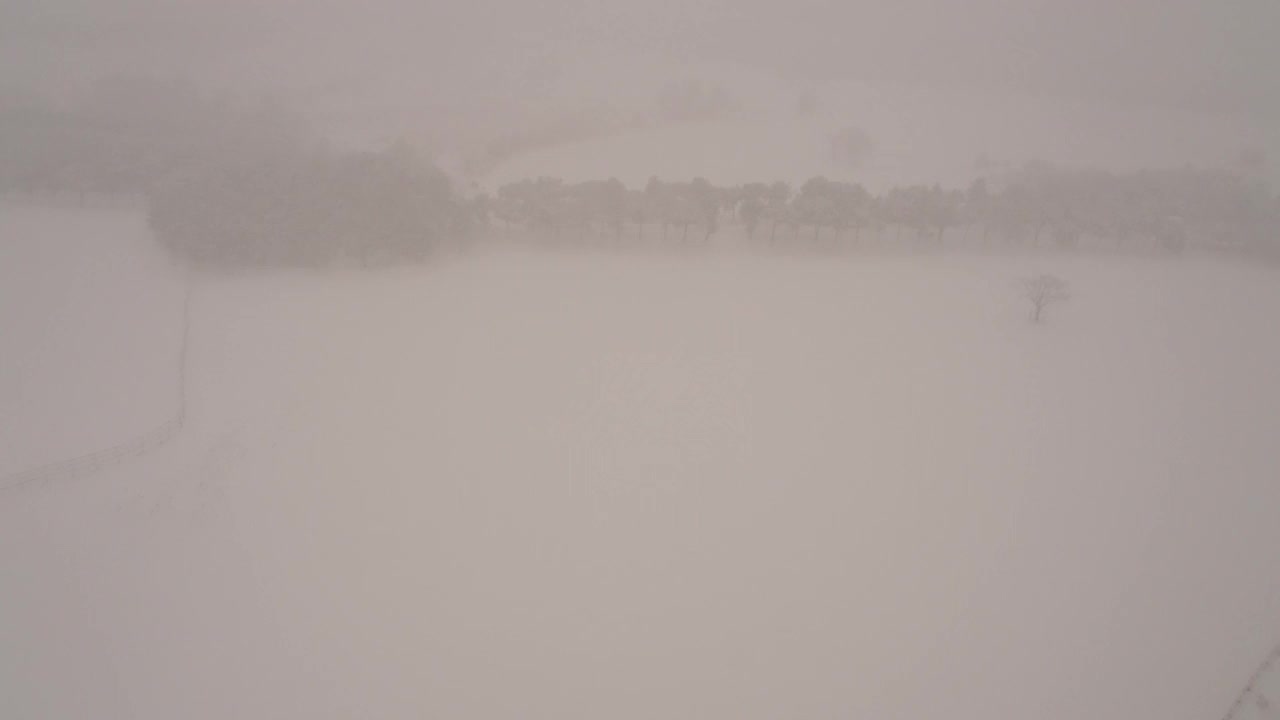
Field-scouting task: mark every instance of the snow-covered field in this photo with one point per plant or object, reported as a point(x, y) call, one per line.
point(558, 486)
point(90, 328)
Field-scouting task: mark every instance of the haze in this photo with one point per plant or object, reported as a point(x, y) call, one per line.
point(696, 359)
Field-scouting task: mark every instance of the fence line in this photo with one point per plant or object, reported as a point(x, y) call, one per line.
point(96, 461)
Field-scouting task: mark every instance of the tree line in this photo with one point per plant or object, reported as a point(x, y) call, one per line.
point(311, 209)
point(227, 183)
point(1039, 205)
point(234, 184)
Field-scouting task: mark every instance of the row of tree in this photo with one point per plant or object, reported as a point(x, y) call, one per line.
point(235, 185)
point(1037, 205)
point(310, 209)
point(228, 183)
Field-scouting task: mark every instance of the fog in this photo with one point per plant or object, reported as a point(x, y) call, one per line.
point(457, 75)
point(639, 359)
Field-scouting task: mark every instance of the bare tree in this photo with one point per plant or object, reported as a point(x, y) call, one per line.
point(1043, 290)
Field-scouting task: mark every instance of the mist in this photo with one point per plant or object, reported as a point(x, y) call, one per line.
point(639, 359)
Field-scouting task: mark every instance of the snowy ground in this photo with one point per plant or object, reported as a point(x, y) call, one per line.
point(90, 327)
point(678, 487)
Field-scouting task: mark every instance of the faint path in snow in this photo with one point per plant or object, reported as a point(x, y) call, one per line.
point(137, 447)
point(1256, 691)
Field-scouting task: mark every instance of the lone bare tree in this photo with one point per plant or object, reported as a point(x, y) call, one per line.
point(1043, 290)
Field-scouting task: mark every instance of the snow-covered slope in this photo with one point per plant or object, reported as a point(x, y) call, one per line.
point(918, 138)
point(694, 487)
